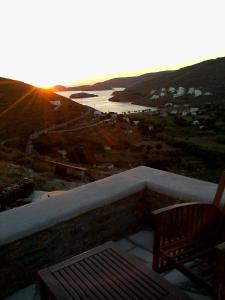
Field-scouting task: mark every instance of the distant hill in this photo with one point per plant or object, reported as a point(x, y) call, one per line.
point(121, 82)
point(25, 109)
point(200, 82)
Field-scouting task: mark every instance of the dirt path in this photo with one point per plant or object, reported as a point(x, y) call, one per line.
point(78, 128)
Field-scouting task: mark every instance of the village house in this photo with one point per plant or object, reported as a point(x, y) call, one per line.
point(98, 113)
point(126, 120)
point(56, 104)
point(136, 122)
point(171, 90)
point(112, 115)
point(155, 97)
point(151, 128)
point(174, 112)
point(184, 113)
point(169, 104)
point(194, 111)
point(195, 123)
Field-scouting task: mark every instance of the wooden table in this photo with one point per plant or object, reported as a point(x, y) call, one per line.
point(104, 273)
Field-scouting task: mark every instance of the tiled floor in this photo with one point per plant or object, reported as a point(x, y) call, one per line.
point(140, 245)
point(29, 293)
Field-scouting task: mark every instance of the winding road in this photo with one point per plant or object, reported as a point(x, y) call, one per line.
point(35, 135)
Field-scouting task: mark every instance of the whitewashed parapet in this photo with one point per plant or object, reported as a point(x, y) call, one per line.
point(21, 222)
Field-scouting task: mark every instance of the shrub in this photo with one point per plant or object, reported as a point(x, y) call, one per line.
point(220, 138)
point(26, 162)
point(134, 148)
point(158, 146)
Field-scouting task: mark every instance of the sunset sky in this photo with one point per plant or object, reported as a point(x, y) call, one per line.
point(46, 42)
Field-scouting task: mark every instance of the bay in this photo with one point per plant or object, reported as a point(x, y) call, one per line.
point(102, 103)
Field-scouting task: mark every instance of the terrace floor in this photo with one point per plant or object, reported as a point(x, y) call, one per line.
point(140, 245)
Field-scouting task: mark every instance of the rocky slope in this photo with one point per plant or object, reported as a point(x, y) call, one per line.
point(39, 122)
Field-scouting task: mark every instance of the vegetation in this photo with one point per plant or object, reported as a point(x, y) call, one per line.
point(181, 147)
point(189, 144)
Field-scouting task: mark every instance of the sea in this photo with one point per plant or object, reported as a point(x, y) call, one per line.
point(103, 104)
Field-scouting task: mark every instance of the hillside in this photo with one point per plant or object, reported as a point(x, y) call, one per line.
point(39, 122)
point(25, 109)
point(189, 144)
point(121, 82)
point(200, 82)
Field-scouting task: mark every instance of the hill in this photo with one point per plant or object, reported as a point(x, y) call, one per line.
point(200, 82)
point(25, 109)
point(39, 122)
point(120, 82)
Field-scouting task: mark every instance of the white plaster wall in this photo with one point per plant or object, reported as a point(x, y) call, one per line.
point(26, 220)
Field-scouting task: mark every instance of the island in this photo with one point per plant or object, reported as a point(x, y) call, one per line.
point(82, 95)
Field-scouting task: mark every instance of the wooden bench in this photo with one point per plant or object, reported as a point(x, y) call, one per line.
point(104, 273)
point(190, 237)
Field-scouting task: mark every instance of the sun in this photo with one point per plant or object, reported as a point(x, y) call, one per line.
point(47, 87)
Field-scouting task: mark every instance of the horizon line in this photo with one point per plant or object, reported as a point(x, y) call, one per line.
point(90, 80)
point(138, 72)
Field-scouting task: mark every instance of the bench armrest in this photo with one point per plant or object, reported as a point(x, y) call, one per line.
point(180, 224)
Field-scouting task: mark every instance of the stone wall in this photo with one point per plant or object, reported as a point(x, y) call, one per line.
point(154, 200)
point(21, 259)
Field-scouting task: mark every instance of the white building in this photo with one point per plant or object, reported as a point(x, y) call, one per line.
point(180, 92)
point(97, 113)
point(171, 90)
point(155, 97)
point(197, 93)
point(56, 103)
point(136, 122)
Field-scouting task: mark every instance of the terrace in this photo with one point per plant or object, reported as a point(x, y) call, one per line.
point(116, 208)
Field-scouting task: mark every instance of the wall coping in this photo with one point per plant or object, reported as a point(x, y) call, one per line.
point(23, 221)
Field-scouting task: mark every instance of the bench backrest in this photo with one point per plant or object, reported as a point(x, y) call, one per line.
point(219, 194)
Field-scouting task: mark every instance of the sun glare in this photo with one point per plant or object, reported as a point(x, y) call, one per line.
point(46, 87)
